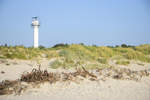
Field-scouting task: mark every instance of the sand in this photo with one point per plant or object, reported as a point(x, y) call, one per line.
point(111, 89)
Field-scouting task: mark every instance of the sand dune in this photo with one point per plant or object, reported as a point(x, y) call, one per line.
point(110, 89)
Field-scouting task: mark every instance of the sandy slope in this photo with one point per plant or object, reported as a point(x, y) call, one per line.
point(110, 89)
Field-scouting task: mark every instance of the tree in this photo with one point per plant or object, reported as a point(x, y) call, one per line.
point(124, 46)
point(5, 45)
point(41, 47)
point(60, 45)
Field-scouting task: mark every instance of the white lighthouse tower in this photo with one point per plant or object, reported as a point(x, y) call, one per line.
point(35, 24)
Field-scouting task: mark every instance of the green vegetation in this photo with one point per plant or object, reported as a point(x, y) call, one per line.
point(78, 54)
point(141, 64)
point(56, 64)
point(102, 60)
point(123, 62)
point(21, 52)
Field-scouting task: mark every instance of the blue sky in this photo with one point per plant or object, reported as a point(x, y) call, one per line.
point(100, 22)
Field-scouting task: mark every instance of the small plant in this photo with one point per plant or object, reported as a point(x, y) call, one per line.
point(122, 62)
point(102, 60)
point(92, 66)
point(7, 64)
point(141, 64)
point(117, 57)
point(2, 57)
point(56, 64)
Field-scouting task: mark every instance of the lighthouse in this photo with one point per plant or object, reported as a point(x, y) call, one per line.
point(35, 24)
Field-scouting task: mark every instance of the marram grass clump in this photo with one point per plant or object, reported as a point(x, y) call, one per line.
point(123, 62)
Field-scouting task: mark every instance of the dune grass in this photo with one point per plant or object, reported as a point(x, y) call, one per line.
point(78, 54)
point(123, 62)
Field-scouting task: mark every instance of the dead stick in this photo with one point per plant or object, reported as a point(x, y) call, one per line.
point(90, 74)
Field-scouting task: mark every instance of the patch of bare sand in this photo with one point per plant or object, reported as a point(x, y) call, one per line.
point(111, 89)
point(87, 90)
